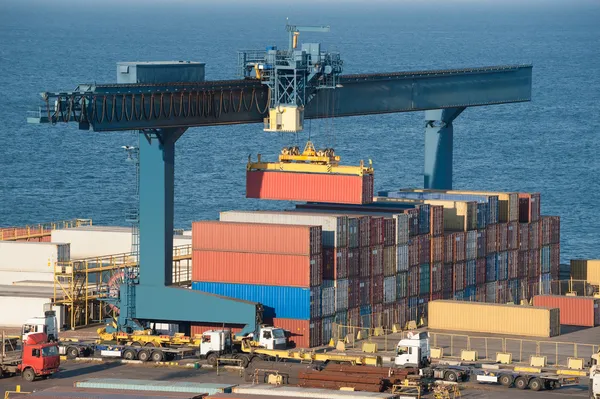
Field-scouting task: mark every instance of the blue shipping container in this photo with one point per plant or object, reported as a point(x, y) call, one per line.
point(365, 316)
point(514, 291)
point(482, 215)
point(471, 270)
point(502, 262)
point(281, 302)
point(424, 217)
point(545, 259)
point(491, 268)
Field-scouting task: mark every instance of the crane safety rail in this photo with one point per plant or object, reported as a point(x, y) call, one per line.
point(39, 230)
point(108, 103)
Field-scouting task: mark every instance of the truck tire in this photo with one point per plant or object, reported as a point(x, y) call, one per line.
point(158, 356)
point(136, 343)
point(144, 355)
point(506, 379)
point(521, 382)
point(150, 344)
point(450, 376)
point(536, 384)
point(72, 352)
point(28, 375)
point(129, 354)
point(245, 360)
point(212, 359)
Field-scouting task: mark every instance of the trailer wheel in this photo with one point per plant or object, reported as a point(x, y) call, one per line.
point(151, 344)
point(245, 360)
point(158, 356)
point(72, 352)
point(129, 354)
point(212, 359)
point(450, 376)
point(536, 384)
point(136, 343)
point(144, 355)
point(521, 382)
point(28, 375)
point(506, 380)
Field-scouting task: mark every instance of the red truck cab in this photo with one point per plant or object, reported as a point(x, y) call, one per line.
point(40, 358)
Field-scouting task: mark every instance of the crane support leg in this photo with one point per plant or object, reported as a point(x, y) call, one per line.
point(439, 137)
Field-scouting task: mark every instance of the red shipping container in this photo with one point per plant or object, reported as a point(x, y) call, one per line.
point(365, 291)
point(437, 279)
point(513, 264)
point(354, 293)
point(448, 278)
point(335, 263)
point(353, 262)
point(502, 240)
point(574, 311)
point(436, 295)
point(555, 261)
point(201, 328)
point(376, 231)
point(555, 230)
point(376, 260)
point(534, 264)
point(480, 271)
point(310, 187)
point(389, 261)
point(459, 246)
point(390, 315)
point(413, 251)
point(529, 207)
point(424, 248)
point(365, 262)
point(532, 287)
point(523, 264)
point(364, 230)
point(257, 268)
point(377, 290)
point(389, 232)
point(376, 316)
point(256, 237)
point(436, 220)
point(437, 249)
point(304, 333)
point(523, 236)
point(513, 235)
point(448, 248)
point(534, 235)
point(491, 238)
point(354, 317)
point(480, 293)
point(546, 229)
point(459, 276)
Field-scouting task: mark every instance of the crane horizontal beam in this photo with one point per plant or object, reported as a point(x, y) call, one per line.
point(113, 107)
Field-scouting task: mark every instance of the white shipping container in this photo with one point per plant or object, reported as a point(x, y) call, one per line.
point(11, 277)
point(402, 220)
point(335, 228)
point(402, 258)
point(92, 241)
point(389, 289)
point(314, 393)
point(327, 298)
point(471, 244)
point(21, 256)
point(341, 295)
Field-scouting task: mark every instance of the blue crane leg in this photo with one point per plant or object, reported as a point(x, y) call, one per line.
point(439, 138)
point(154, 300)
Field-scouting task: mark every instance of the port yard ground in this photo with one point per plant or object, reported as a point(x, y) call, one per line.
point(72, 371)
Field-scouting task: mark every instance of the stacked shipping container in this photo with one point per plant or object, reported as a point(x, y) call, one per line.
point(383, 262)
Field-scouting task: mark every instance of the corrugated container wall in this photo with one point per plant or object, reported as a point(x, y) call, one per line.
point(588, 270)
point(574, 311)
point(494, 319)
point(341, 189)
point(25, 256)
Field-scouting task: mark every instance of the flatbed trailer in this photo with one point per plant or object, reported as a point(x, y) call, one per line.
point(522, 380)
point(128, 351)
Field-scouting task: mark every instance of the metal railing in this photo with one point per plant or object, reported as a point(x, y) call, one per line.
point(39, 230)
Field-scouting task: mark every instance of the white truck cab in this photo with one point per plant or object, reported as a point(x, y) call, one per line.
point(272, 338)
point(46, 324)
point(413, 351)
point(595, 377)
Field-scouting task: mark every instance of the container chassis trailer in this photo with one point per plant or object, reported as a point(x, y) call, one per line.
point(523, 380)
point(128, 352)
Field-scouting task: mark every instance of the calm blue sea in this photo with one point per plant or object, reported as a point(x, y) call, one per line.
point(550, 145)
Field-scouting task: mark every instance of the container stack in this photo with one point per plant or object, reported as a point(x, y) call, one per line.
point(279, 266)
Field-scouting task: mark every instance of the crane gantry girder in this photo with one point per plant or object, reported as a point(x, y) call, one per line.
point(113, 107)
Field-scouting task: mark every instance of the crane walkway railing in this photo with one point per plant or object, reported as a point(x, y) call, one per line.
point(39, 230)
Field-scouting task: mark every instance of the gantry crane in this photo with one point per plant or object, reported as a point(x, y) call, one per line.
point(162, 100)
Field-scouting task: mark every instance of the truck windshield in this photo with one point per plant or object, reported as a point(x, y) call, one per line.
point(49, 351)
point(278, 334)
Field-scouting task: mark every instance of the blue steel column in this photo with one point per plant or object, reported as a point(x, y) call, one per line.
point(439, 137)
point(157, 173)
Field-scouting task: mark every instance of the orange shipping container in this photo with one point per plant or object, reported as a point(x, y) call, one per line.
point(257, 268)
point(256, 237)
point(316, 187)
point(574, 311)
